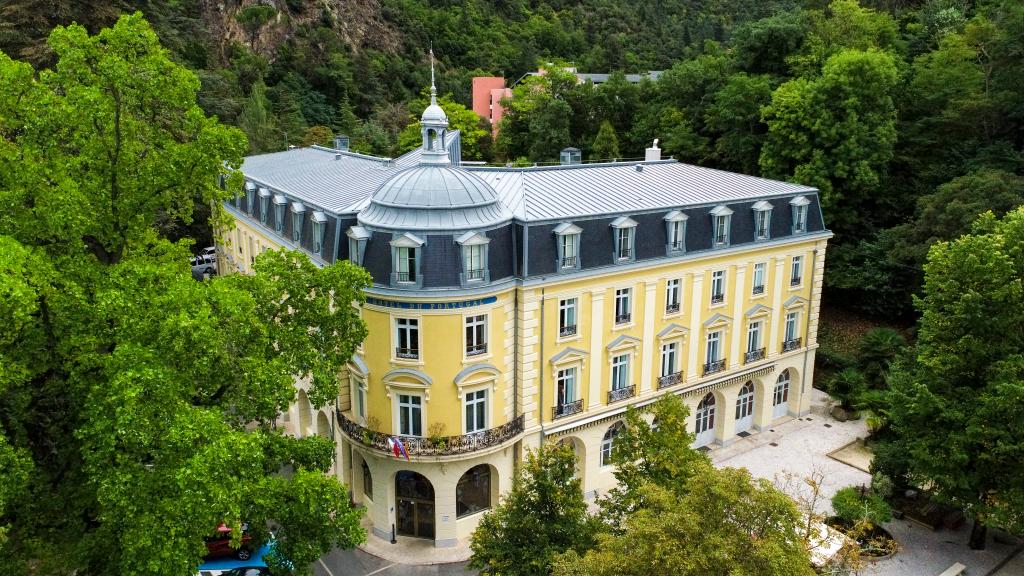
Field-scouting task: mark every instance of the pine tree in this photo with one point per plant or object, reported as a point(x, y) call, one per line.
point(606, 143)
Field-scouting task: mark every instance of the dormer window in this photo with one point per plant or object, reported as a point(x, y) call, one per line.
point(675, 229)
point(474, 257)
point(799, 205)
point(721, 220)
point(624, 229)
point(319, 220)
point(264, 204)
point(567, 236)
point(250, 197)
point(406, 254)
point(762, 220)
point(357, 238)
point(280, 202)
point(298, 213)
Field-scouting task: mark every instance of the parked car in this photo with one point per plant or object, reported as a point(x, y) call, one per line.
point(204, 266)
point(248, 571)
point(219, 545)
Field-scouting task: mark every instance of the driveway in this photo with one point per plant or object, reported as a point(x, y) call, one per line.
point(358, 563)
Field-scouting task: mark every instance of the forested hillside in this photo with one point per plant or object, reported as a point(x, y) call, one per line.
point(908, 115)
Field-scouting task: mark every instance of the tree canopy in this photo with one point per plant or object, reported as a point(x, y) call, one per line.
point(137, 405)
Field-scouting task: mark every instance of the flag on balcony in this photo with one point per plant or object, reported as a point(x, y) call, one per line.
point(395, 446)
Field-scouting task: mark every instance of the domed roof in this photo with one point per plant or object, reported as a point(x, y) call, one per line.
point(434, 197)
point(434, 113)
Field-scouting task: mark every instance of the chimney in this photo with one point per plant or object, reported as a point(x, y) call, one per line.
point(570, 156)
point(653, 153)
point(341, 143)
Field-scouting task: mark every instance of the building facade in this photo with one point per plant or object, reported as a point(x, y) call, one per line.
point(513, 307)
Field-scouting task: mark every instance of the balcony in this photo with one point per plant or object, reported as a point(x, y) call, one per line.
point(569, 262)
point(475, 274)
point(441, 446)
point(566, 331)
point(792, 344)
point(672, 308)
point(670, 380)
point(795, 281)
point(563, 410)
point(758, 290)
point(716, 366)
point(754, 356)
point(623, 318)
point(625, 253)
point(476, 349)
point(622, 393)
point(717, 298)
point(407, 353)
point(405, 276)
point(676, 246)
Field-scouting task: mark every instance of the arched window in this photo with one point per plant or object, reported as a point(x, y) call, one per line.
point(781, 389)
point(608, 442)
point(473, 492)
point(706, 414)
point(367, 481)
point(745, 401)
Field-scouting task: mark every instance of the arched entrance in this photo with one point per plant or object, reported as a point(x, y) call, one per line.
point(305, 415)
point(705, 428)
point(780, 399)
point(323, 425)
point(745, 408)
point(414, 505)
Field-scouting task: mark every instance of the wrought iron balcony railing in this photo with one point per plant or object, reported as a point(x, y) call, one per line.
point(408, 353)
point(624, 253)
point(475, 274)
point(717, 298)
point(671, 308)
point(758, 290)
point(568, 409)
point(676, 246)
point(754, 356)
point(476, 349)
point(621, 393)
point(569, 262)
point(623, 318)
point(789, 345)
point(716, 366)
point(438, 446)
point(565, 331)
point(670, 380)
point(795, 281)
point(405, 276)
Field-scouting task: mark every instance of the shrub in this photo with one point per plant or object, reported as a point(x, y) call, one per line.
point(877, 349)
point(847, 386)
point(853, 505)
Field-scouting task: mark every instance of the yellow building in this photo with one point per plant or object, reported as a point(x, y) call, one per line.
point(517, 306)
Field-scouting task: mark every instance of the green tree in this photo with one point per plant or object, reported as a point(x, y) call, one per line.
point(855, 505)
point(835, 132)
point(320, 135)
point(145, 399)
point(735, 116)
point(258, 122)
point(955, 410)
point(876, 351)
point(725, 522)
point(844, 25)
point(606, 143)
point(543, 515)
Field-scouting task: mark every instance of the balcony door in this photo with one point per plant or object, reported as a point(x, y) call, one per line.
point(745, 408)
point(705, 428)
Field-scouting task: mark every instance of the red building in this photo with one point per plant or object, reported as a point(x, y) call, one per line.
point(487, 94)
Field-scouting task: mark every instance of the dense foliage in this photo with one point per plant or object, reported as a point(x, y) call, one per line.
point(136, 404)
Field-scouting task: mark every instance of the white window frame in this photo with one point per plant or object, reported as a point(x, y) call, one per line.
point(721, 224)
point(280, 204)
point(762, 220)
point(568, 247)
point(718, 287)
point(758, 279)
point(408, 326)
point(620, 371)
point(669, 358)
point(568, 309)
point(623, 306)
point(472, 400)
point(713, 342)
point(608, 443)
point(298, 219)
point(357, 239)
point(319, 221)
point(796, 268)
point(567, 378)
point(250, 197)
point(407, 262)
point(675, 232)
point(474, 258)
point(264, 204)
point(755, 337)
point(673, 296)
point(800, 204)
point(624, 236)
point(414, 408)
point(475, 335)
point(792, 326)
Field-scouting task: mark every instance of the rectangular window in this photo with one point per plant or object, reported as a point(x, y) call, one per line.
point(721, 230)
point(718, 286)
point(620, 372)
point(624, 243)
point(264, 208)
point(318, 237)
point(761, 220)
point(758, 283)
point(623, 306)
point(408, 338)
point(672, 295)
point(279, 217)
point(792, 319)
point(677, 235)
point(799, 219)
point(476, 411)
point(476, 335)
point(566, 386)
point(567, 317)
point(714, 348)
point(297, 227)
point(406, 264)
point(474, 256)
point(796, 274)
point(754, 337)
point(360, 394)
point(252, 252)
point(353, 250)
point(410, 415)
point(669, 358)
point(569, 243)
